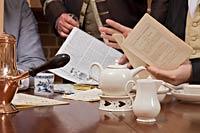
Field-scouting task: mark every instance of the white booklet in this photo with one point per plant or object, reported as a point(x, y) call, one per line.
point(153, 44)
point(84, 49)
point(22, 100)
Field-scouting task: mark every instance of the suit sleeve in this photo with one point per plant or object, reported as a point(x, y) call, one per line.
point(159, 9)
point(29, 50)
point(195, 71)
point(53, 10)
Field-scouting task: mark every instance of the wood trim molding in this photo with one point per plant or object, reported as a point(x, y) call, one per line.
point(1, 15)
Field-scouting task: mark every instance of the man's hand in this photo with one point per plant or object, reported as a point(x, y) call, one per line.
point(65, 24)
point(107, 33)
point(124, 60)
point(177, 76)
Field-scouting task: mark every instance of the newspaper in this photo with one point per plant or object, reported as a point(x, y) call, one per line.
point(84, 49)
point(153, 44)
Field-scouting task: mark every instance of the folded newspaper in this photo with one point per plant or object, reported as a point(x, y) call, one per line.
point(84, 49)
point(22, 100)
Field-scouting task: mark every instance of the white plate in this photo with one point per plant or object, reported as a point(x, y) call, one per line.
point(64, 88)
point(192, 89)
point(180, 95)
point(161, 90)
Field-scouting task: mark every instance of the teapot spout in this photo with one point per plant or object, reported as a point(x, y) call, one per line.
point(137, 70)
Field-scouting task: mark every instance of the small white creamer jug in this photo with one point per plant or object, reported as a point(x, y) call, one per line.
point(146, 105)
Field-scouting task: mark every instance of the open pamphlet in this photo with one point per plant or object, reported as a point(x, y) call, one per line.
point(151, 43)
point(22, 100)
point(84, 49)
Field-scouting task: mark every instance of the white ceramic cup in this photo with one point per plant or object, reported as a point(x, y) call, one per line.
point(43, 84)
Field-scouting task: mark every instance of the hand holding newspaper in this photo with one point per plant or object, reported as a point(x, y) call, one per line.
point(84, 49)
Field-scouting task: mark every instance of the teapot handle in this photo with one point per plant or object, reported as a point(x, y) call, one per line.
point(128, 87)
point(92, 69)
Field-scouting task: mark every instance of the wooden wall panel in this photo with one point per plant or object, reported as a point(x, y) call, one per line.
point(34, 3)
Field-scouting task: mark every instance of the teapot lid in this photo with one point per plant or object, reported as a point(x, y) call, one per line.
point(117, 66)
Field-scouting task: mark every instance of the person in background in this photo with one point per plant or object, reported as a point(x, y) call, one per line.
point(184, 20)
point(20, 22)
point(159, 9)
point(88, 15)
point(178, 20)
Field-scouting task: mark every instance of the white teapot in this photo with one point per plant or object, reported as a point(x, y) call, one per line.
point(112, 80)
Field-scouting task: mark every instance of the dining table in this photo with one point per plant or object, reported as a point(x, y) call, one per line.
point(85, 117)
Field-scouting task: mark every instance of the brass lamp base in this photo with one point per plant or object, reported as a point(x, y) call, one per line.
point(7, 108)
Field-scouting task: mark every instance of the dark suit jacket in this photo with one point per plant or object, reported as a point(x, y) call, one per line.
point(176, 17)
point(126, 12)
point(172, 14)
point(159, 10)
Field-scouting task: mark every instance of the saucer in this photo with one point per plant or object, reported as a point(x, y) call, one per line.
point(180, 95)
point(161, 90)
point(115, 103)
point(192, 89)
